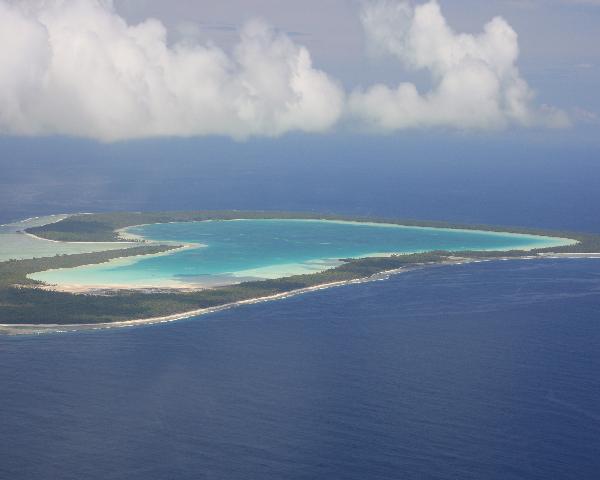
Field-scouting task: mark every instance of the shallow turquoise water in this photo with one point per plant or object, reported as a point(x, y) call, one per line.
point(246, 249)
point(16, 244)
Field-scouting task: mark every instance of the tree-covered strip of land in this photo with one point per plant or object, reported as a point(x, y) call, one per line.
point(102, 227)
point(14, 272)
point(22, 303)
point(26, 305)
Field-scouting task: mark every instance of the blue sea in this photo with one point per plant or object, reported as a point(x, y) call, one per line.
point(486, 371)
point(479, 371)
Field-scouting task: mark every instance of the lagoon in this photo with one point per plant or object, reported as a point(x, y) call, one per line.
point(220, 252)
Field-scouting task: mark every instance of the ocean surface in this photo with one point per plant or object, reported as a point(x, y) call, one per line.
point(480, 371)
point(232, 251)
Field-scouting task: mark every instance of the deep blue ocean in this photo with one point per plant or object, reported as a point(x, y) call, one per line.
point(480, 371)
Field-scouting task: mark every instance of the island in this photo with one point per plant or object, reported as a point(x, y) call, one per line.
point(29, 305)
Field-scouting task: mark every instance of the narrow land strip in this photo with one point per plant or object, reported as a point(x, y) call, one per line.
point(27, 307)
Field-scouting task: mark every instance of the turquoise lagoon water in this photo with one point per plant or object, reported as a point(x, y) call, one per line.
point(235, 250)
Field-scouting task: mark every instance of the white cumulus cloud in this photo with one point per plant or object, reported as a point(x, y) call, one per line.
point(75, 67)
point(476, 83)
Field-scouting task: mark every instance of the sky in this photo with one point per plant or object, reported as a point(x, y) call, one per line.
point(558, 39)
point(131, 69)
point(456, 110)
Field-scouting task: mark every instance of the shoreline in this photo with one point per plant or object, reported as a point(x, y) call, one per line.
point(128, 239)
point(365, 223)
point(80, 288)
point(40, 329)
point(125, 239)
point(124, 243)
point(124, 235)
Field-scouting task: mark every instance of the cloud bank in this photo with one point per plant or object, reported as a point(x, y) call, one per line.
point(76, 67)
point(476, 83)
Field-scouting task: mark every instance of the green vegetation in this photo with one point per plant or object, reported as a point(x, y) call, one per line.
point(13, 272)
point(21, 302)
point(101, 227)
